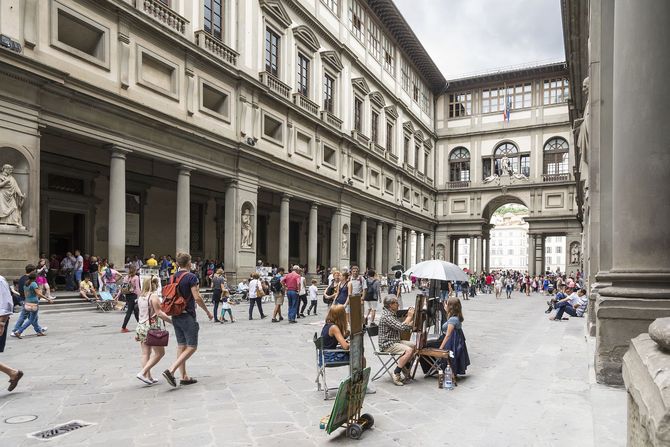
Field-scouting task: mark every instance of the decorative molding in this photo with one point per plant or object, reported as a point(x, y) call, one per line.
point(419, 135)
point(377, 99)
point(305, 35)
point(333, 59)
point(276, 10)
point(391, 112)
point(361, 84)
point(408, 127)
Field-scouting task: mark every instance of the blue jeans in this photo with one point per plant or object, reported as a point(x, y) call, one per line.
point(77, 276)
point(22, 317)
point(564, 307)
point(32, 318)
point(292, 304)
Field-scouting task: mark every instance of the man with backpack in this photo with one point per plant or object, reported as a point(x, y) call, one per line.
point(372, 297)
point(278, 292)
point(179, 299)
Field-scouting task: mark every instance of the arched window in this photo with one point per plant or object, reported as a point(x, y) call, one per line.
point(556, 156)
point(459, 165)
point(520, 164)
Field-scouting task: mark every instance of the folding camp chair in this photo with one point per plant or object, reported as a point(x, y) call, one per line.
point(322, 365)
point(389, 361)
point(106, 301)
point(433, 356)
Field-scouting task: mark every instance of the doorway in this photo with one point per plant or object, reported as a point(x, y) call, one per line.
point(66, 232)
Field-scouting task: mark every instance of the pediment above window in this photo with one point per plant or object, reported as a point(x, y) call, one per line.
point(408, 126)
point(331, 58)
point(275, 10)
point(391, 112)
point(307, 37)
point(419, 135)
point(361, 84)
point(377, 99)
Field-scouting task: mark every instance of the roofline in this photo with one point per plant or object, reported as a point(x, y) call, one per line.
point(387, 12)
point(509, 74)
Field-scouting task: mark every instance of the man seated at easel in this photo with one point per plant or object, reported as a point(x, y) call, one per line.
point(389, 337)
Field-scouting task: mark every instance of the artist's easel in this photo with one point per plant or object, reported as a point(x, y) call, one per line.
point(351, 393)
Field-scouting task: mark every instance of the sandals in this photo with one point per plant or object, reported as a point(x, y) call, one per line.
point(15, 381)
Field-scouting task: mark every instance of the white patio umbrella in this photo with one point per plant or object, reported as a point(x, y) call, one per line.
point(436, 269)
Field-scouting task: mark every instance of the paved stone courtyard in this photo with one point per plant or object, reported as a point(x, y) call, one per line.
point(530, 384)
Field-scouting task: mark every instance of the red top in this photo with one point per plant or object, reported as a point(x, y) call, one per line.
point(292, 281)
point(489, 279)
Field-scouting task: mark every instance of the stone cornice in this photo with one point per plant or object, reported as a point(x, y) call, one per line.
point(513, 75)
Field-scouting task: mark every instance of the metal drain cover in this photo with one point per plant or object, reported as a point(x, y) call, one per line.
point(59, 430)
point(20, 419)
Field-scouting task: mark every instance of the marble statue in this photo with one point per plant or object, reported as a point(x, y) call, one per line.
point(585, 125)
point(345, 241)
point(247, 230)
point(397, 249)
point(439, 252)
point(505, 166)
point(574, 253)
point(11, 198)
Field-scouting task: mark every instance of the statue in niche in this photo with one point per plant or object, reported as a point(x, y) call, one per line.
point(11, 198)
point(397, 249)
point(584, 129)
point(574, 253)
point(247, 229)
point(439, 252)
point(345, 241)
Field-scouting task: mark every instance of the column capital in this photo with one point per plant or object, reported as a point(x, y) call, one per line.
point(185, 169)
point(314, 205)
point(118, 151)
point(286, 197)
point(230, 182)
point(364, 218)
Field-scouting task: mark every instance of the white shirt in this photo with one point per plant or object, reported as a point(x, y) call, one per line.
point(253, 287)
point(313, 292)
point(79, 263)
point(574, 299)
point(6, 301)
point(242, 286)
point(303, 290)
point(498, 283)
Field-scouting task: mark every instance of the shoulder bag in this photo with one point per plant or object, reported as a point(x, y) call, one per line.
point(156, 336)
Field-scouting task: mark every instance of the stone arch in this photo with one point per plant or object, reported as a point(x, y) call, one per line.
point(22, 163)
point(247, 226)
point(498, 201)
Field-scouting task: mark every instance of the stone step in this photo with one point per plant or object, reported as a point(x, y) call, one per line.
point(60, 310)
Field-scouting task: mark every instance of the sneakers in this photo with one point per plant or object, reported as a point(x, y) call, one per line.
point(141, 378)
point(398, 380)
point(169, 377)
point(406, 374)
point(44, 329)
point(281, 318)
point(274, 320)
point(124, 330)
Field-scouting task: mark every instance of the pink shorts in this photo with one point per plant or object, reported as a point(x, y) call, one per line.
point(41, 280)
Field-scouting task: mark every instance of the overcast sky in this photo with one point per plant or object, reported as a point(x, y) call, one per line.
point(472, 36)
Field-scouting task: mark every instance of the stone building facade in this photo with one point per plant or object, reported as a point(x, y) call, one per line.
point(617, 58)
point(252, 130)
point(314, 131)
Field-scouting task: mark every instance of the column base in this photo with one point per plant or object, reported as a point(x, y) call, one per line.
point(594, 297)
point(625, 311)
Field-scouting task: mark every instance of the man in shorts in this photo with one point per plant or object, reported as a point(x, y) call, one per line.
point(6, 309)
point(389, 337)
point(186, 327)
point(278, 292)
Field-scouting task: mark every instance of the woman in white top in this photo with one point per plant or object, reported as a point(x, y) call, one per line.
point(498, 283)
point(302, 293)
point(256, 293)
point(149, 304)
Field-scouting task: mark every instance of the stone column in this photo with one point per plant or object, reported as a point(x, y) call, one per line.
point(379, 243)
point(335, 239)
point(480, 254)
point(363, 245)
point(487, 255)
point(640, 290)
point(407, 259)
point(392, 255)
point(183, 240)
point(471, 254)
point(531, 255)
point(312, 238)
point(283, 232)
point(455, 242)
point(449, 250)
point(418, 247)
point(231, 229)
point(117, 207)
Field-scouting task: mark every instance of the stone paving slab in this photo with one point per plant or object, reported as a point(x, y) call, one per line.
point(529, 384)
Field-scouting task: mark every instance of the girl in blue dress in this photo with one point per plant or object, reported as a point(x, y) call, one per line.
point(454, 339)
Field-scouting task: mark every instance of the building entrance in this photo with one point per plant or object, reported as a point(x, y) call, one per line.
point(66, 232)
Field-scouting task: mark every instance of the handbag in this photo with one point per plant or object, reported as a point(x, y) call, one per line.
point(30, 307)
point(260, 292)
point(156, 336)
